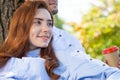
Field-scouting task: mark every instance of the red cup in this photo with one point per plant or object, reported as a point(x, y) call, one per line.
point(111, 55)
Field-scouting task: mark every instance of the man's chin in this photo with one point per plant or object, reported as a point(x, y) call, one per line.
point(54, 12)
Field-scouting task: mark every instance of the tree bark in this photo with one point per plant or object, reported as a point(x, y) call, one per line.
point(7, 8)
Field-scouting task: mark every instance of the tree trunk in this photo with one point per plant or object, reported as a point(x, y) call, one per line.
point(7, 8)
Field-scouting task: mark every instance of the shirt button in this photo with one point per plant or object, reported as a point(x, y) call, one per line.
point(60, 35)
point(78, 51)
point(90, 59)
point(70, 45)
point(103, 65)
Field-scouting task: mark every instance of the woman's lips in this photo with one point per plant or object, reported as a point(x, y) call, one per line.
point(44, 37)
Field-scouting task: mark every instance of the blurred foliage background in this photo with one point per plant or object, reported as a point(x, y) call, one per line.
point(99, 28)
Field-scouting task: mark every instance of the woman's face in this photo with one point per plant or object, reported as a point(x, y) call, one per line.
point(41, 29)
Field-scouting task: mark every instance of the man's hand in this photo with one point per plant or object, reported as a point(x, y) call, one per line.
point(118, 62)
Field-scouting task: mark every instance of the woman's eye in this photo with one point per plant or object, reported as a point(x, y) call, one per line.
point(37, 22)
point(50, 24)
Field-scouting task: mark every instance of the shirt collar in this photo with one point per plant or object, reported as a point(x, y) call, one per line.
point(33, 53)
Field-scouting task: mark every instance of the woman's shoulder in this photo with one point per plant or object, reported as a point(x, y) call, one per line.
point(13, 68)
point(21, 63)
point(26, 67)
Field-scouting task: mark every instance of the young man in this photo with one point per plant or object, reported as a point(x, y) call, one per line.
point(63, 40)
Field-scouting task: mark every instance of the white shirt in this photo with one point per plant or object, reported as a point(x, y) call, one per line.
point(63, 41)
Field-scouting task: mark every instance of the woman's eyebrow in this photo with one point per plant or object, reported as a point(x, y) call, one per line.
point(41, 19)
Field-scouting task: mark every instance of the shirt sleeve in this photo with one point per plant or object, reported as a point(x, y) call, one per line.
point(85, 69)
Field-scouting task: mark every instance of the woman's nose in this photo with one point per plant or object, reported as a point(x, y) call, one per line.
point(45, 27)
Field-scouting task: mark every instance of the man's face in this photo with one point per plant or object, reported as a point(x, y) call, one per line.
point(53, 4)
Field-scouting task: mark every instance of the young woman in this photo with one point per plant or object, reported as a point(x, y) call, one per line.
point(30, 29)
